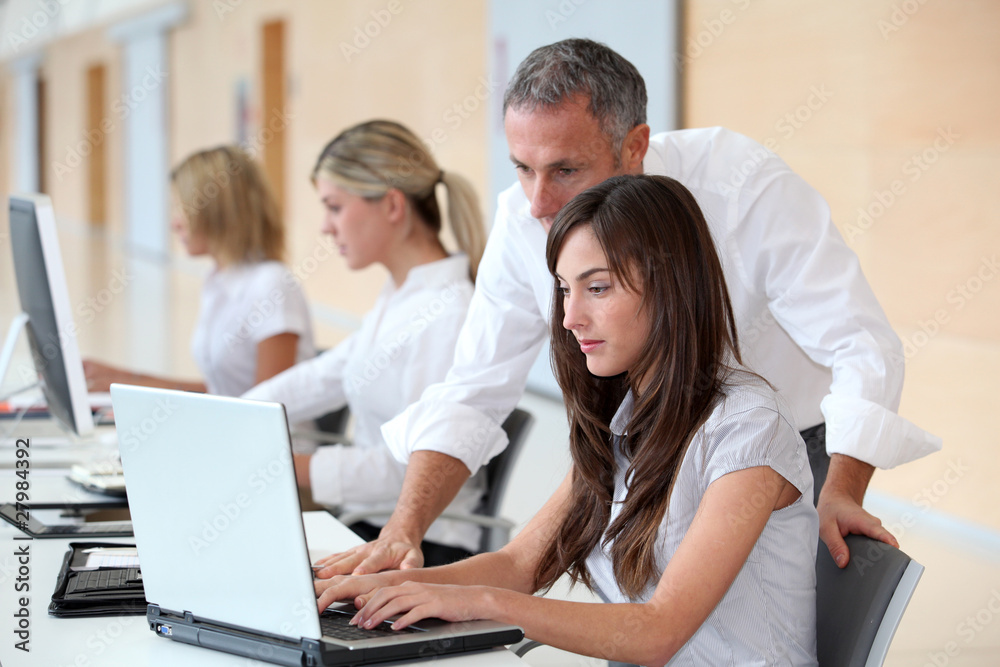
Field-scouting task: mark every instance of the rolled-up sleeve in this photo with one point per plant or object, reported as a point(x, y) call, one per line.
point(309, 389)
point(817, 292)
point(501, 338)
point(359, 475)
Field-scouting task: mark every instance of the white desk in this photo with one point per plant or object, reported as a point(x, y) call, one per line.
point(53, 449)
point(51, 485)
point(126, 641)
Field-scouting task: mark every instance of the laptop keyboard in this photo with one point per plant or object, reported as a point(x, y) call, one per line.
point(123, 527)
point(104, 580)
point(337, 625)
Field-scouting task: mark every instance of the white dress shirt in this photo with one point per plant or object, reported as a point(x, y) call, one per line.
point(404, 345)
point(768, 614)
point(807, 318)
point(241, 306)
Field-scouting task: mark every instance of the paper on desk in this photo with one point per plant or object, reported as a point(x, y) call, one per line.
point(112, 558)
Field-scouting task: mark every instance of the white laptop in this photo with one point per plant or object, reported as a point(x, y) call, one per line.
point(222, 550)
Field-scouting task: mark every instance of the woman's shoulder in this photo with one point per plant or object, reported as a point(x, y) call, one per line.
point(749, 422)
point(447, 277)
point(266, 276)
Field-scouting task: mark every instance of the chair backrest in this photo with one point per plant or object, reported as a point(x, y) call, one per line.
point(499, 469)
point(858, 608)
point(334, 422)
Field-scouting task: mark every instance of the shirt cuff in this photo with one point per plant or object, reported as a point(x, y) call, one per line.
point(449, 428)
point(871, 433)
point(324, 476)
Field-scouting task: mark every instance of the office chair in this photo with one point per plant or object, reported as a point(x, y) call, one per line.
point(496, 529)
point(859, 608)
point(334, 423)
point(331, 428)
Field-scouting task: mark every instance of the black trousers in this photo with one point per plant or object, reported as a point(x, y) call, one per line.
point(819, 460)
point(434, 553)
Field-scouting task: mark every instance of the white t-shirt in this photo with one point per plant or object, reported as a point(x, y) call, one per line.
point(807, 318)
point(768, 615)
point(241, 306)
point(405, 343)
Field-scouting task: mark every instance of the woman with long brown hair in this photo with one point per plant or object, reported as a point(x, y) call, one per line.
point(688, 504)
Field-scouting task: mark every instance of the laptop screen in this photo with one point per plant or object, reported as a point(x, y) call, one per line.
point(215, 508)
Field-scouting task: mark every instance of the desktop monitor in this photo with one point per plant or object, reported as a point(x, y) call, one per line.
point(41, 287)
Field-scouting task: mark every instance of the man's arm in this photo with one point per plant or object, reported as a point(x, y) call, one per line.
point(840, 511)
point(818, 294)
point(455, 427)
point(431, 482)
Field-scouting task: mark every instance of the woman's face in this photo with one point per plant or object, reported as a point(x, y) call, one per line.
point(608, 321)
point(360, 227)
point(194, 242)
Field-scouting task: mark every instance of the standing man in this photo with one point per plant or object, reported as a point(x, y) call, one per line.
point(575, 115)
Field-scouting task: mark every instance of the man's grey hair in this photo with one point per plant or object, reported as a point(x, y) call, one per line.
point(553, 74)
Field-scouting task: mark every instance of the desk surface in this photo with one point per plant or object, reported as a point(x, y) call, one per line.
point(126, 640)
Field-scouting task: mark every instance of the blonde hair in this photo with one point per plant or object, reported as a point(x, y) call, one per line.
point(371, 158)
point(227, 199)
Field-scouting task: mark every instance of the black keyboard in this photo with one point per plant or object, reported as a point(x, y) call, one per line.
point(124, 527)
point(336, 624)
point(110, 580)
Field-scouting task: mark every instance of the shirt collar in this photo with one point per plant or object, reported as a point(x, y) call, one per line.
point(619, 423)
point(450, 269)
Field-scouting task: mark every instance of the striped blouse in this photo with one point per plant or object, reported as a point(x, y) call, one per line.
point(768, 615)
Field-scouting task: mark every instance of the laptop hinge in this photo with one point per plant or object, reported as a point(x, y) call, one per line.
point(183, 628)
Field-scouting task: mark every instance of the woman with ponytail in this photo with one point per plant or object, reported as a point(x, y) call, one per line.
point(380, 186)
point(688, 506)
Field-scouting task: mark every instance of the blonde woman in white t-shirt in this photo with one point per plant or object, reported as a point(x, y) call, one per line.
point(379, 186)
point(254, 319)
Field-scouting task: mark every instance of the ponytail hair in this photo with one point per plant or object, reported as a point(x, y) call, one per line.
point(466, 218)
point(371, 158)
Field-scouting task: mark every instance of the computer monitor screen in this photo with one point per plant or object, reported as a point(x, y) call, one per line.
point(41, 287)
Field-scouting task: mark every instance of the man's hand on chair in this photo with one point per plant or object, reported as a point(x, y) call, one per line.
point(840, 511)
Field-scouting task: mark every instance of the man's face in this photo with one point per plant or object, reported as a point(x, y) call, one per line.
point(558, 153)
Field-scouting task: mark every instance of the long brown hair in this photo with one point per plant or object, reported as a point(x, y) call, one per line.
point(657, 243)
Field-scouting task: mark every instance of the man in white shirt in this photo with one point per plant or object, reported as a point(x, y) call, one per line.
point(574, 115)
